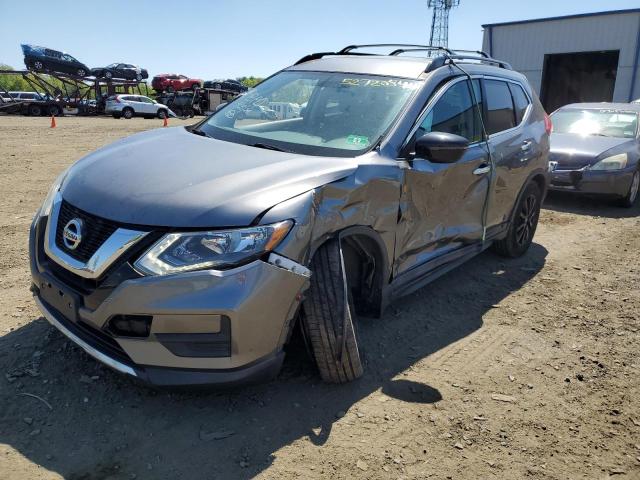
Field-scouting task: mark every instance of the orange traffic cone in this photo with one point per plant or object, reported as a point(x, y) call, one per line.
point(166, 122)
point(53, 121)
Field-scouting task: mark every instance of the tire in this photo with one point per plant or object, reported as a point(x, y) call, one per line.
point(54, 110)
point(162, 114)
point(523, 226)
point(139, 77)
point(81, 72)
point(127, 113)
point(35, 110)
point(38, 65)
point(108, 75)
point(324, 316)
point(632, 195)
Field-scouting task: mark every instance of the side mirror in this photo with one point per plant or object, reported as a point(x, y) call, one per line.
point(221, 106)
point(440, 147)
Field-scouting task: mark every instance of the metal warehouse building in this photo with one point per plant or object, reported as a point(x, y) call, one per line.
point(591, 57)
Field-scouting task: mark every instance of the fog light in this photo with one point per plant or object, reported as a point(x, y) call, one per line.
point(130, 325)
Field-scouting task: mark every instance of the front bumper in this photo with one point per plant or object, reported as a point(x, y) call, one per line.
point(612, 182)
point(206, 327)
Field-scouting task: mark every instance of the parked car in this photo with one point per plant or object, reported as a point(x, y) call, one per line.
point(229, 85)
point(124, 71)
point(33, 103)
point(129, 106)
point(595, 149)
point(187, 255)
point(172, 82)
point(46, 59)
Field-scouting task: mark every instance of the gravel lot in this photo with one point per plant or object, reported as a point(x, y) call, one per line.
point(510, 369)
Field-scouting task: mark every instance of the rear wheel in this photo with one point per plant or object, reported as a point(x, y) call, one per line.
point(38, 65)
point(127, 113)
point(54, 110)
point(632, 195)
point(35, 110)
point(81, 72)
point(162, 114)
point(523, 226)
point(108, 75)
point(329, 320)
point(139, 77)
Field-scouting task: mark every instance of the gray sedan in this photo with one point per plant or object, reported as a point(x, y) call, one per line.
point(595, 149)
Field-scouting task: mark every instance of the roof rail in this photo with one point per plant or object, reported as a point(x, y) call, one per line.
point(450, 59)
point(448, 56)
point(349, 50)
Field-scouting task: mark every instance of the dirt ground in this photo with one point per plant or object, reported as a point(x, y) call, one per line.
point(505, 369)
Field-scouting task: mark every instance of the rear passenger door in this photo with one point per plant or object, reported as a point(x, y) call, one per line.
point(442, 204)
point(512, 148)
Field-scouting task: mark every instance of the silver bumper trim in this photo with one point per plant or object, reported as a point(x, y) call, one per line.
point(101, 357)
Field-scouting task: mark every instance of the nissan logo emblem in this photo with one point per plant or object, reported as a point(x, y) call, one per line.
point(72, 234)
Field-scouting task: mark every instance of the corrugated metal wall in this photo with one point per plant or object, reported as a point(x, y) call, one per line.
point(525, 45)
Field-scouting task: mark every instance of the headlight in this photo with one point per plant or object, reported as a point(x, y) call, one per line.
point(615, 162)
point(181, 252)
point(45, 209)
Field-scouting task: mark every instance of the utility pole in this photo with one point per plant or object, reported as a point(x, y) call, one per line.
point(440, 21)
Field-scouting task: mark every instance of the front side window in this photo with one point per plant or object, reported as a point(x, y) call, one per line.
point(455, 112)
point(602, 123)
point(500, 112)
point(315, 113)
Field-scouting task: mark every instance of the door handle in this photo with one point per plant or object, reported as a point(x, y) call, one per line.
point(482, 169)
point(526, 145)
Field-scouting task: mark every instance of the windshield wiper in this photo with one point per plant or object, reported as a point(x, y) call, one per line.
point(198, 132)
point(268, 146)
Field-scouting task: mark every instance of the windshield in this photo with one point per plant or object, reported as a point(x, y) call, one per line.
point(314, 113)
point(604, 123)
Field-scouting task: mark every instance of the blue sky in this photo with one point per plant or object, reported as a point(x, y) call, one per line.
point(224, 38)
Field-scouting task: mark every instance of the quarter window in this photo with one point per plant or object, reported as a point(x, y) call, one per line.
point(454, 113)
point(500, 112)
point(520, 100)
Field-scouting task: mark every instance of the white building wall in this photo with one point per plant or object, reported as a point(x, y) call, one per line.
point(524, 45)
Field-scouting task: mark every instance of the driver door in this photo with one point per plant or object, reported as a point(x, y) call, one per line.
point(442, 204)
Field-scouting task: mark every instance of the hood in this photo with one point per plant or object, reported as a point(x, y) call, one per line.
point(170, 177)
point(577, 151)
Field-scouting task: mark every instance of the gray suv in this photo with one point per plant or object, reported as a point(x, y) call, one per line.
point(186, 256)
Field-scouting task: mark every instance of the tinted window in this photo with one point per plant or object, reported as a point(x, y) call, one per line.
point(520, 100)
point(500, 113)
point(454, 113)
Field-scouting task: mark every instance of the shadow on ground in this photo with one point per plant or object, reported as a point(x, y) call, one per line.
point(588, 205)
point(110, 427)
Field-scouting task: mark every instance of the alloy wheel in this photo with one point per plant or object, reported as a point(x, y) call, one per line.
point(635, 186)
point(527, 220)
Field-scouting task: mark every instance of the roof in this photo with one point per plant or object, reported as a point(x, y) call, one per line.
point(566, 17)
point(406, 67)
point(629, 107)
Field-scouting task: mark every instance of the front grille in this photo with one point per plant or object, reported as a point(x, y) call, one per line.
point(95, 231)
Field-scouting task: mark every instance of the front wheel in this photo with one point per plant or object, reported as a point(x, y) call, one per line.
point(329, 319)
point(632, 195)
point(127, 113)
point(81, 72)
point(162, 114)
point(108, 75)
point(38, 65)
point(523, 225)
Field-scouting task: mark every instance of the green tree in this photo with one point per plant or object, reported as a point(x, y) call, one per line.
point(250, 81)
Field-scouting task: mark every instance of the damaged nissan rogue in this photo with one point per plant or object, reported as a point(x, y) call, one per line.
point(186, 255)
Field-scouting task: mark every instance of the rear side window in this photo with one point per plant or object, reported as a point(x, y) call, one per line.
point(500, 112)
point(454, 113)
point(520, 100)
